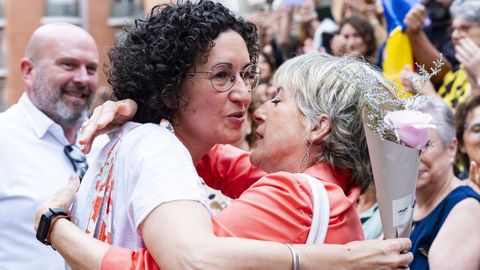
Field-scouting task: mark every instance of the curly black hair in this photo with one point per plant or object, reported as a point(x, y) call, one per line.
point(151, 61)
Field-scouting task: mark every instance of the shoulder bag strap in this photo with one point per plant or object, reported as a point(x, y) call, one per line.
point(321, 211)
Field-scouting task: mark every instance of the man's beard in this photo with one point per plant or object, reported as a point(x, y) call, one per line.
point(70, 116)
point(51, 103)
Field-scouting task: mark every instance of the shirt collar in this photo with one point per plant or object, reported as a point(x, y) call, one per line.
point(39, 121)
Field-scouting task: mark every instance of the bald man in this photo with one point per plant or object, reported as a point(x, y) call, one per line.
point(37, 137)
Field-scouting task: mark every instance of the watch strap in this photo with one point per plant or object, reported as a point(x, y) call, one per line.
point(46, 223)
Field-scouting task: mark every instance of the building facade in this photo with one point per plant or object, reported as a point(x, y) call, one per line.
point(102, 18)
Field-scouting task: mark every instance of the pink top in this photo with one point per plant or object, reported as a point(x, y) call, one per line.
point(277, 207)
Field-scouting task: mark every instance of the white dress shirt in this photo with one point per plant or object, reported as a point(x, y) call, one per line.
point(32, 167)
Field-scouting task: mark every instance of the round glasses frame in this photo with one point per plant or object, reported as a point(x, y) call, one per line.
point(223, 77)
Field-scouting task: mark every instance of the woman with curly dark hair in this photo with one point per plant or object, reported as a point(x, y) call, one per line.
point(191, 68)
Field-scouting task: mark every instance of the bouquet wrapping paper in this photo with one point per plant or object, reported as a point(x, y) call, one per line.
point(395, 171)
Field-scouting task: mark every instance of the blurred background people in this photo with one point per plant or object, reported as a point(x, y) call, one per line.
point(467, 125)
point(367, 208)
point(428, 28)
point(355, 38)
point(447, 210)
point(371, 10)
point(453, 83)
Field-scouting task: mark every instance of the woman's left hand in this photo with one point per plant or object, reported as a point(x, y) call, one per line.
point(63, 198)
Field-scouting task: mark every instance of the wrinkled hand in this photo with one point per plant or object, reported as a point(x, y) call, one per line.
point(414, 19)
point(381, 254)
point(63, 198)
point(105, 118)
point(468, 53)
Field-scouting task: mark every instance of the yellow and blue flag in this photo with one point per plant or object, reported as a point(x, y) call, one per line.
point(398, 51)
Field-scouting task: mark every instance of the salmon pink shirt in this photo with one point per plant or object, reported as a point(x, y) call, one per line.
point(274, 207)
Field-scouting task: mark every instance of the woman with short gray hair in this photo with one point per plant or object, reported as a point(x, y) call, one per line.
point(325, 85)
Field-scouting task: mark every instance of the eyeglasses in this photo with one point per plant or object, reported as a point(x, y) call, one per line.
point(77, 158)
point(223, 76)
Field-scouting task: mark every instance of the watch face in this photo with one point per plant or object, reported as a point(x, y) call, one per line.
point(44, 226)
point(46, 221)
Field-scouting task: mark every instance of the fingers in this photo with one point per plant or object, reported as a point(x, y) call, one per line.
point(468, 53)
point(405, 260)
point(87, 131)
point(415, 18)
point(409, 79)
point(399, 251)
point(403, 246)
point(461, 55)
point(102, 115)
point(63, 198)
point(469, 46)
point(403, 243)
point(126, 110)
point(381, 254)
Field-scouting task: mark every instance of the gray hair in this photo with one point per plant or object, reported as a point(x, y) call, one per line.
point(443, 117)
point(325, 84)
point(468, 10)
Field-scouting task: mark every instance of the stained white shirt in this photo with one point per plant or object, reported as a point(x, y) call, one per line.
point(151, 167)
point(32, 167)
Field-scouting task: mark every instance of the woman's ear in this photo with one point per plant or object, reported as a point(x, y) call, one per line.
point(321, 129)
point(452, 147)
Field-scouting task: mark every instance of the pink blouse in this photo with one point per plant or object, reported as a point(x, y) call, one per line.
point(273, 207)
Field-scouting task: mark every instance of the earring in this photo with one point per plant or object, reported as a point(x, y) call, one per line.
point(306, 157)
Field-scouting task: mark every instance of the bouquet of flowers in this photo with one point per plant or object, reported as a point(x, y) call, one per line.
point(396, 132)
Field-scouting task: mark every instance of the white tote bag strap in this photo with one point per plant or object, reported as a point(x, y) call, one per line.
point(321, 211)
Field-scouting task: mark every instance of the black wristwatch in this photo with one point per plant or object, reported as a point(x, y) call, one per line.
point(46, 222)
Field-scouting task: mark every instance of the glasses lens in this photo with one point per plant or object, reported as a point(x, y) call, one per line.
point(222, 77)
point(251, 76)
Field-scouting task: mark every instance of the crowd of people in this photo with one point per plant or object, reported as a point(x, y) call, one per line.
point(237, 142)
